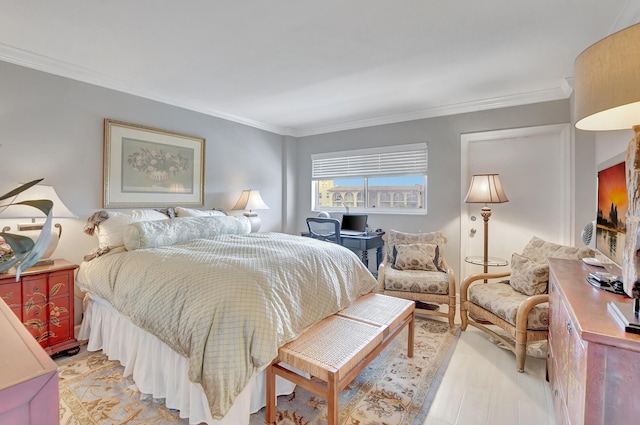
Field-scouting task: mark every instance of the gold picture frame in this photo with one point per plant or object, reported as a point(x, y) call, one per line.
point(149, 167)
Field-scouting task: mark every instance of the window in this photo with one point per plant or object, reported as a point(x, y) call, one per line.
point(391, 179)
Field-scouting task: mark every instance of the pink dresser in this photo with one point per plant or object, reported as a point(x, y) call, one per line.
point(28, 376)
point(593, 364)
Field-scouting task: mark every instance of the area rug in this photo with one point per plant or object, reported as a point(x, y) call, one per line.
point(393, 389)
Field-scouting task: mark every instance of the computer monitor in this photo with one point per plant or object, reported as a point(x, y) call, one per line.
point(354, 223)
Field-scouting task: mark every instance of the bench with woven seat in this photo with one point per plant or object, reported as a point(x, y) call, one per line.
point(336, 349)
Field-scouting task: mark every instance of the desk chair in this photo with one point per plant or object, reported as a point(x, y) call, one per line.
point(325, 229)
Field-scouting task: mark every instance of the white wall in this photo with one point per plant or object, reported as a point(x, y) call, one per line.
point(443, 137)
point(52, 127)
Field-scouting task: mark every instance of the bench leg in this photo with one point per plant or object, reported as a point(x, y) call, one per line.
point(332, 400)
point(411, 336)
point(271, 395)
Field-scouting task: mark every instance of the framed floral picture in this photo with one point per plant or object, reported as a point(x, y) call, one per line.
point(148, 167)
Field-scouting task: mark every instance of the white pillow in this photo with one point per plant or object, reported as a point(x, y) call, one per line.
point(110, 232)
point(189, 212)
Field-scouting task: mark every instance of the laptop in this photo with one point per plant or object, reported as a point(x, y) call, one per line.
point(354, 224)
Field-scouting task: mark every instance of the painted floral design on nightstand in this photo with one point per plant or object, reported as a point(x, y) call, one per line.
point(40, 302)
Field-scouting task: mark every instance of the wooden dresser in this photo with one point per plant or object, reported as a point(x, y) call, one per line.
point(593, 364)
point(43, 301)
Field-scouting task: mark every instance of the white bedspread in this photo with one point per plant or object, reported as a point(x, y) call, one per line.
point(228, 303)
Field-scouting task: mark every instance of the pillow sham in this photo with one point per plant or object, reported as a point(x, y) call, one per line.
point(190, 212)
point(539, 250)
point(110, 231)
point(420, 256)
point(153, 234)
point(527, 276)
point(400, 238)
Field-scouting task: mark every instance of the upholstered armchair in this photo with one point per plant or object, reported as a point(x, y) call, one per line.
point(519, 302)
point(414, 268)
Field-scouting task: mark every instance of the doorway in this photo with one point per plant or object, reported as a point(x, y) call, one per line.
point(534, 164)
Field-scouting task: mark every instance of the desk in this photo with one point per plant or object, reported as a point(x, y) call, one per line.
point(362, 243)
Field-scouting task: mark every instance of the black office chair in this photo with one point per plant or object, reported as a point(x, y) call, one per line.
point(325, 229)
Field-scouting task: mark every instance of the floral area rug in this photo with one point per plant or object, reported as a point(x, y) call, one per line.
point(393, 389)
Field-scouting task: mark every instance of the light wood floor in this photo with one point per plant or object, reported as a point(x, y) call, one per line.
point(481, 386)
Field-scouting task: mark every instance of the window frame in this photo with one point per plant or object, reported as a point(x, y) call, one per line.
point(347, 165)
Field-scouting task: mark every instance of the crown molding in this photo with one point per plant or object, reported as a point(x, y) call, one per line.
point(64, 69)
point(563, 91)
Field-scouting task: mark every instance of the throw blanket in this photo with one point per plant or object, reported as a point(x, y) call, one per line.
point(228, 303)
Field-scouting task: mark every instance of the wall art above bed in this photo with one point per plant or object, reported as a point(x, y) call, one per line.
point(148, 167)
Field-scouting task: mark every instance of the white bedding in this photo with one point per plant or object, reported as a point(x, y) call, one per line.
point(227, 303)
point(160, 372)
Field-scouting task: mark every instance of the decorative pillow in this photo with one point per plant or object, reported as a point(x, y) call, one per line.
point(419, 256)
point(153, 234)
point(189, 212)
point(539, 250)
point(527, 276)
point(400, 238)
point(110, 231)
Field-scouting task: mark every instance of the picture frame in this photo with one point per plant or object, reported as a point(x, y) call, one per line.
point(149, 167)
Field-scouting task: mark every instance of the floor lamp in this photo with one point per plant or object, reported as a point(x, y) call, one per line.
point(607, 97)
point(486, 189)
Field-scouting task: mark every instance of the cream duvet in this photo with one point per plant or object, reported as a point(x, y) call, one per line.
point(229, 302)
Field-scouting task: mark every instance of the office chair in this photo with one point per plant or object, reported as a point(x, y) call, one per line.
point(325, 229)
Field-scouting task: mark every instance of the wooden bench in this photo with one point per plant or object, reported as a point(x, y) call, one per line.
point(336, 349)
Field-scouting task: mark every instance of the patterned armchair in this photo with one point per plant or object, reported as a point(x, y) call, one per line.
point(519, 305)
point(414, 268)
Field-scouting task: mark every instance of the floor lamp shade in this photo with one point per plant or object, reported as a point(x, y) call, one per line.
point(251, 200)
point(607, 97)
point(485, 189)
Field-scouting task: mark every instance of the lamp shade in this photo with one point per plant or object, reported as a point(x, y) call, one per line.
point(607, 82)
point(486, 189)
point(39, 191)
point(250, 200)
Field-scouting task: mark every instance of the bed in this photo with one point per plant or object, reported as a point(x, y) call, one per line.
point(195, 308)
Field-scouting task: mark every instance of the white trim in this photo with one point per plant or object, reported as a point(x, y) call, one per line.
point(68, 70)
point(568, 207)
point(64, 69)
point(563, 91)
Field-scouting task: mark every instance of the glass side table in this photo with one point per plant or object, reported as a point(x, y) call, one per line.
point(491, 262)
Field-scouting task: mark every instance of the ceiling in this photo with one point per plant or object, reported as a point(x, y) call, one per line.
point(301, 67)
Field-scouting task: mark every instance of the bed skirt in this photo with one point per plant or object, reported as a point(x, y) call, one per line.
point(159, 371)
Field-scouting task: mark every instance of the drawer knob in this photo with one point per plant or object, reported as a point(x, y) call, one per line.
point(555, 393)
point(569, 328)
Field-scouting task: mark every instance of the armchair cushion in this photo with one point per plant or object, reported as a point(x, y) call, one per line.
point(527, 276)
point(400, 238)
point(539, 250)
point(418, 281)
point(500, 299)
point(419, 256)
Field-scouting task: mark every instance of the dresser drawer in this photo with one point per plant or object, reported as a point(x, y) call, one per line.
point(34, 288)
point(61, 331)
point(59, 284)
point(11, 293)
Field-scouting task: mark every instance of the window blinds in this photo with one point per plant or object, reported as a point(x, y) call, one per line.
point(389, 161)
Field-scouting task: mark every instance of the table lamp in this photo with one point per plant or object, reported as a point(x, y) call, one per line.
point(486, 189)
point(251, 200)
point(607, 97)
point(33, 228)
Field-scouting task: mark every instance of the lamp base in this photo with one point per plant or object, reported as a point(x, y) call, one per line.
point(254, 220)
point(44, 262)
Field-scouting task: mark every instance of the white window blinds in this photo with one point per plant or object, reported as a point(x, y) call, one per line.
point(388, 161)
